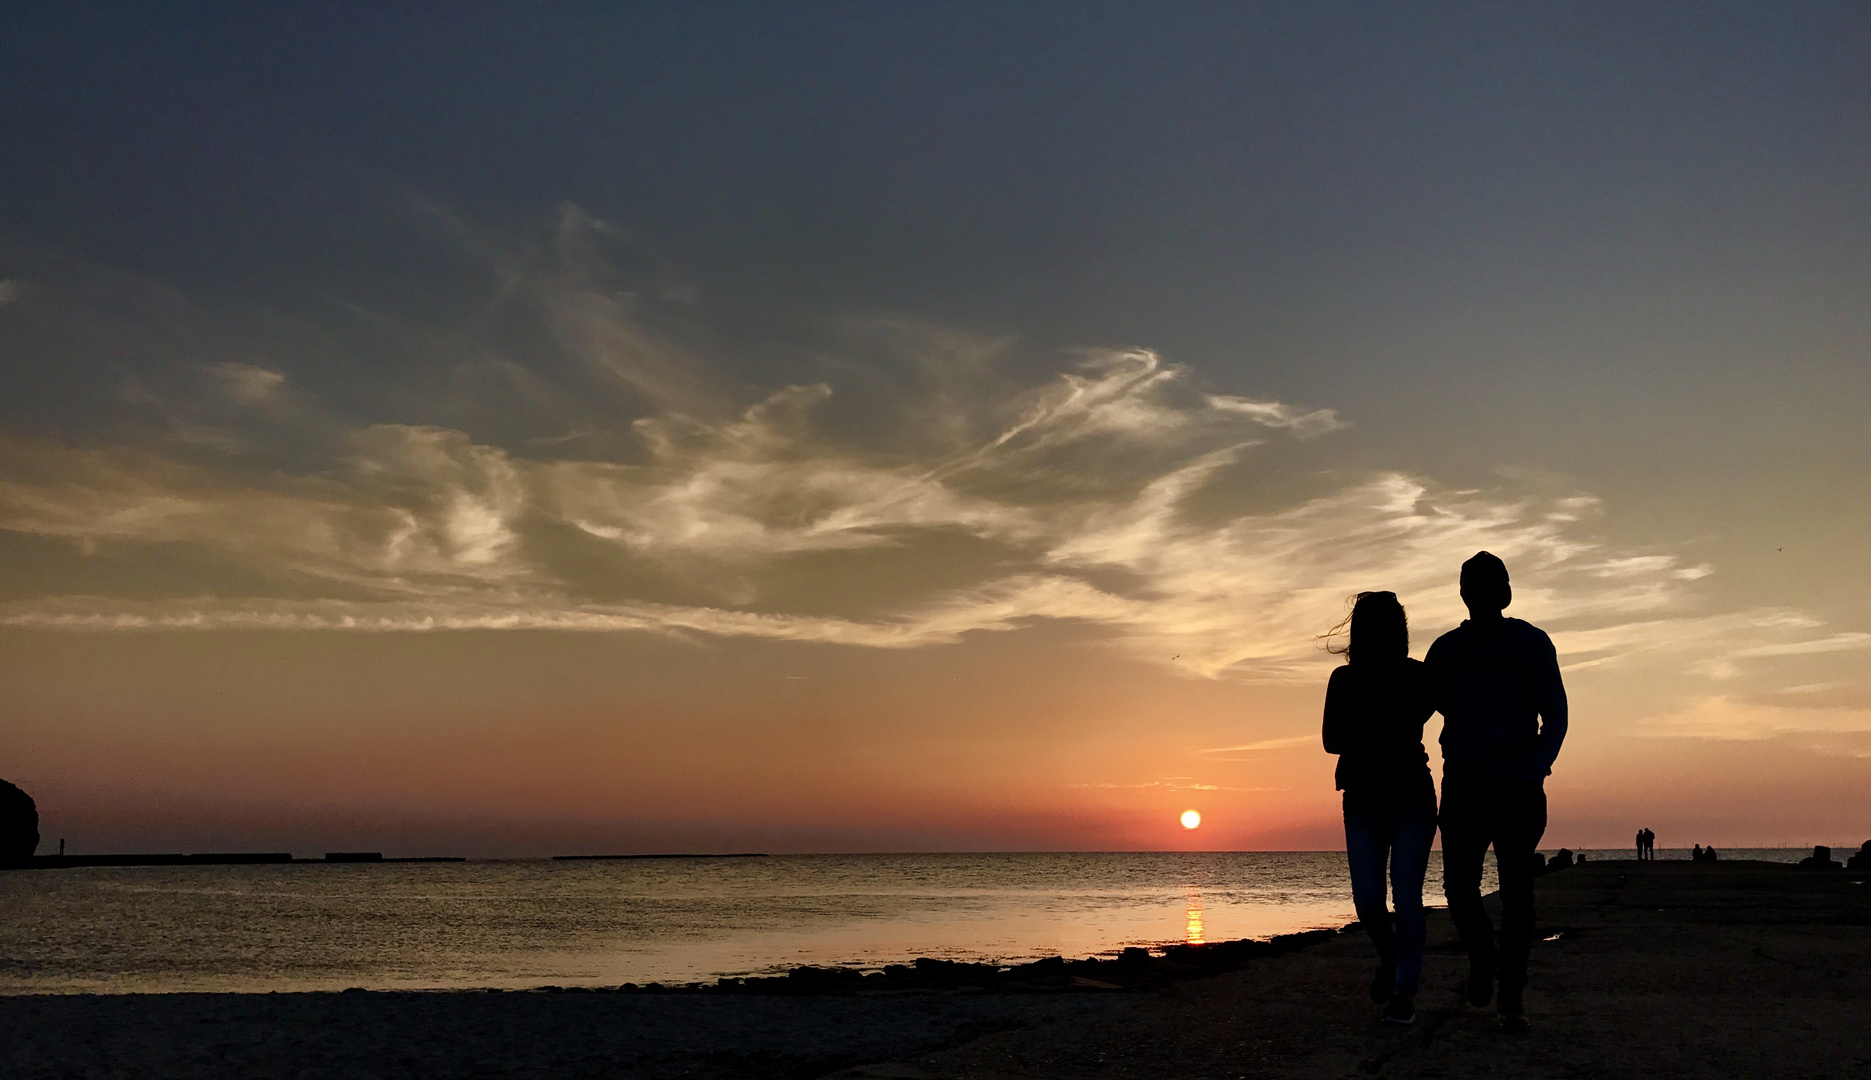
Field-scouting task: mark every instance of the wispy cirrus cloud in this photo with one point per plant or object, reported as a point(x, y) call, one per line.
point(1842, 731)
point(247, 383)
point(1728, 664)
point(1263, 745)
point(423, 529)
point(1104, 495)
point(1169, 783)
point(1306, 423)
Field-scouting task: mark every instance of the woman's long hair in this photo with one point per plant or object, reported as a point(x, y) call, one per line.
point(1374, 630)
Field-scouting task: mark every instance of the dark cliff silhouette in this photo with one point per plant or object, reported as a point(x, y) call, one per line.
point(19, 826)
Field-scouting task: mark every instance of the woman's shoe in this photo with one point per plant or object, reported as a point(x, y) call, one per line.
point(1401, 1010)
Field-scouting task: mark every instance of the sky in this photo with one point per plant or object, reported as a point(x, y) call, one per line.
point(535, 429)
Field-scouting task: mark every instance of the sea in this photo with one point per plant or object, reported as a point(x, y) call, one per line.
point(537, 922)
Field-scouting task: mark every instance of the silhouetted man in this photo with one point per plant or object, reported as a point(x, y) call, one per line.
point(1504, 717)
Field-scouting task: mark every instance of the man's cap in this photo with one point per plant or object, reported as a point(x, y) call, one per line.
point(1484, 568)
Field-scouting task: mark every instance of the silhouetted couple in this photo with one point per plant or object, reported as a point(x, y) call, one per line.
point(1496, 682)
point(1646, 845)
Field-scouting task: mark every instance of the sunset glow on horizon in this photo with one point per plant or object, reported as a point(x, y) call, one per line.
point(744, 429)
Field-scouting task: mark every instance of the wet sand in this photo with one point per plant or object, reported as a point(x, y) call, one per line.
point(1654, 970)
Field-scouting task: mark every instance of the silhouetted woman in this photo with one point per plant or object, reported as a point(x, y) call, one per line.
point(1375, 708)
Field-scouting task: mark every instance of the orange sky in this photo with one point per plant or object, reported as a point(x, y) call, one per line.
point(540, 742)
point(729, 427)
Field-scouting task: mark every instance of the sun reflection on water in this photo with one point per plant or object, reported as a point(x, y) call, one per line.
point(1192, 930)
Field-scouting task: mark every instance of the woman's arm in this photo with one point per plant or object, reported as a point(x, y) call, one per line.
point(1337, 711)
point(1425, 697)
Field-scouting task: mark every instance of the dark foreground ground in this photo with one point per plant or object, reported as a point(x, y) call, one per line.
point(1653, 970)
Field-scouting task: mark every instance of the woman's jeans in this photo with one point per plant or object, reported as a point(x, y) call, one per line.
point(1401, 838)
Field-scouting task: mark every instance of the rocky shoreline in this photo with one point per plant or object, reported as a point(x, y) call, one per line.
point(1133, 969)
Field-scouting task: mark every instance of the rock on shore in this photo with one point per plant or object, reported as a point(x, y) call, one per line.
point(19, 826)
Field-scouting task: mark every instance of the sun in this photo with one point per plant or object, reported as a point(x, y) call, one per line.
point(1191, 819)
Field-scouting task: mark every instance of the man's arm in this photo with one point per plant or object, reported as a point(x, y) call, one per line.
point(1551, 694)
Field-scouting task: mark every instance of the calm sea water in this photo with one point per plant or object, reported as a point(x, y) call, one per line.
point(531, 922)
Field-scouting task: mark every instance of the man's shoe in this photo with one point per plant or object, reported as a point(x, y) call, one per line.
point(1401, 1010)
point(1512, 1015)
point(1480, 981)
point(1383, 982)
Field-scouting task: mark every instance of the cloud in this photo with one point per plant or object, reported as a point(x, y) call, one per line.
point(1709, 645)
point(1172, 783)
point(1304, 423)
point(421, 512)
point(1263, 744)
point(759, 486)
point(1727, 666)
point(248, 384)
point(1115, 393)
point(411, 508)
point(1116, 494)
point(1725, 719)
point(434, 529)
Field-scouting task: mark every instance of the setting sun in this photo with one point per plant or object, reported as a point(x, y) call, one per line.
point(1191, 819)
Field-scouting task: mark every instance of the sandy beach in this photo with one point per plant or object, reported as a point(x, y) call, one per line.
point(1657, 970)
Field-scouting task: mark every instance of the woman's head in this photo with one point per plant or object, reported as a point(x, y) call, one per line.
point(1375, 631)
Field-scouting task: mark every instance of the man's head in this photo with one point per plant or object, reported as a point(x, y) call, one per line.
point(1484, 584)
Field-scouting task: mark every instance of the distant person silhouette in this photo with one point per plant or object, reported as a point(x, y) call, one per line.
point(1648, 841)
point(1503, 704)
point(1640, 845)
point(1695, 853)
point(1375, 708)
